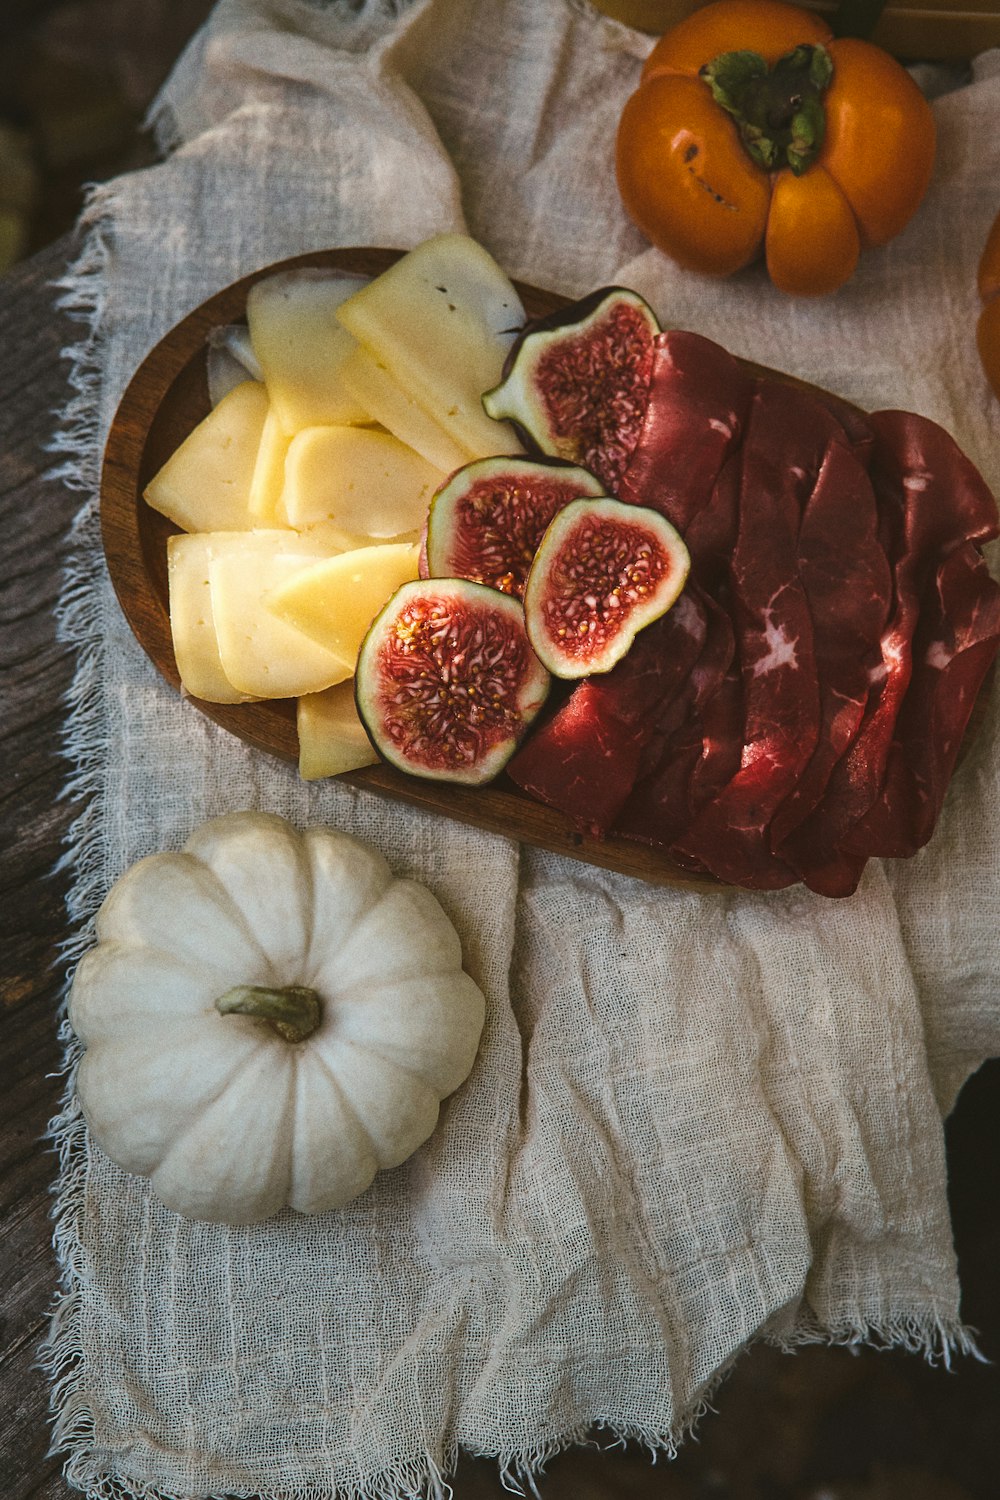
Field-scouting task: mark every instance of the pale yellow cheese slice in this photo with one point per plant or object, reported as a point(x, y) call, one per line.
point(268, 480)
point(205, 484)
point(333, 602)
point(441, 320)
point(331, 736)
point(371, 385)
point(261, 654)
point(192, 623)
point(364, 481)
point(332, 539)
point(300, 346)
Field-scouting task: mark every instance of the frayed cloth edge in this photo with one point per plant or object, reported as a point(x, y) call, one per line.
point(76, 446)
point(939, 1340)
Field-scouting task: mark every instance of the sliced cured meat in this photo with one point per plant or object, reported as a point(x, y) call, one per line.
point(711, 534)
point(585, 760)
point(932, 500)
point(661, 804)
point(699, 396)
point(845, 572)
point(945, 499)
point(954, 648)
point(857, 425)
point(787, 436)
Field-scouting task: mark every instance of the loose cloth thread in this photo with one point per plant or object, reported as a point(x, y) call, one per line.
point(696, 1119)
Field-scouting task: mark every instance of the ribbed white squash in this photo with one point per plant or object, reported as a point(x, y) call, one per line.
point(231, 1120)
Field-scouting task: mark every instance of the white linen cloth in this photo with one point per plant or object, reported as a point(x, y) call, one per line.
point(696, 1119)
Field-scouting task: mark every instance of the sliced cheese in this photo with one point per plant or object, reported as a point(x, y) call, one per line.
point(334, 602)
point(205, 484)
point(261, 654)
point(441, 320)
point(332, 738)
point(268, 482)
point(301, 346)
point(333, 539)
point(192, 623)
point(370, 384)
point(364, 481)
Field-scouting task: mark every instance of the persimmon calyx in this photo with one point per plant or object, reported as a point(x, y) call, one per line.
point(778, 111)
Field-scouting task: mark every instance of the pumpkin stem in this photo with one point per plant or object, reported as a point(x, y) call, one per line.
point(294, 1012)
point(778, 111)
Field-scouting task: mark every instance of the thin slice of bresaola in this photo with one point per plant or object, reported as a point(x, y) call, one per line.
point(711, 533)
point(699, 397)
point(947, 499)
point(954, 647)
point(585, 760)
point(932, 500)
point(856, 423)
point(659, 806)
point(786, 438)
point(848, 583)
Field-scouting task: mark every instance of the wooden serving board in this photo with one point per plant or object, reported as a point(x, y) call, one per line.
point(166, 398)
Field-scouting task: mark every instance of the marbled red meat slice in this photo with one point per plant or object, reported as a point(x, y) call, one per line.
point(787, 436)
point(699, 397)
point(931, 500)
point(585, 760)
point(661, 804)
point(845, 572)
point(948, 500)
point(954, 647)
point(857, 425)
point(711, 535)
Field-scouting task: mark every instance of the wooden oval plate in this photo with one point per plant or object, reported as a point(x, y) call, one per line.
point(166, 398)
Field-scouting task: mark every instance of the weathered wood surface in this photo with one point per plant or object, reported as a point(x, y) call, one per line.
point(881, 1426)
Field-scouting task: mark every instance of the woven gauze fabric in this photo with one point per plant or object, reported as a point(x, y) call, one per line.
point(695, 1119)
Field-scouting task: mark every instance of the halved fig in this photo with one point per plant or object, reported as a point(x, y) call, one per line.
point(602, 572)
point(447, 682)
point(576, 383)
point(486, 522)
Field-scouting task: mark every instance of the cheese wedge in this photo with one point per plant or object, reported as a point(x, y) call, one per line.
point(205, 484)
point(370, 384)
point(192, 623)
point(332, 738)
point(333, 602)
point(300, 346)
point(364, 481)
point(268, 482)
point(261, 654)
point(441, 321)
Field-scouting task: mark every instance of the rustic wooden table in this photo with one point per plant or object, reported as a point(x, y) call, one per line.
point(881, 1426)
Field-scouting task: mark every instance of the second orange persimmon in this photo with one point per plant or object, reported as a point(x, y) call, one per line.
point(988, 327)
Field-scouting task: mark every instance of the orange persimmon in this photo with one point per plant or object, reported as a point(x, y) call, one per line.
point(753, 129)
point(988, 327)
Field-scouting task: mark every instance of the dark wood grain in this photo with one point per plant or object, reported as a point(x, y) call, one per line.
point(862, 1426)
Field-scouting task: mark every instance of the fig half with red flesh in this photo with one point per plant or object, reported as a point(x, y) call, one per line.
point(486, 522)
point(576, 383)
point(603, 571)
point(447, 682)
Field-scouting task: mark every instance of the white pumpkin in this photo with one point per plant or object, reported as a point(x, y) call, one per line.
point(269, 1018)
